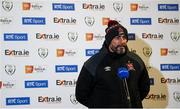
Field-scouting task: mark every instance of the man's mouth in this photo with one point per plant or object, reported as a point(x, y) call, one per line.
point(120, 49)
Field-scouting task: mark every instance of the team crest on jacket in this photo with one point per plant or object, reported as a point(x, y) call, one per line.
point(130, 66)
point(107, 68)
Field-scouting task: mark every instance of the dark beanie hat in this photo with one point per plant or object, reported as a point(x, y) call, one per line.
point(113, 30)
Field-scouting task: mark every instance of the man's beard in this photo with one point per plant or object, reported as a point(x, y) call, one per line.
point(119, 49)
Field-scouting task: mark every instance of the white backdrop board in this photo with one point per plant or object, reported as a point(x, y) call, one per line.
point(44, 43)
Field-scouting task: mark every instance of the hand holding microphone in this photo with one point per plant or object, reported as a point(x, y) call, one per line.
point(123, 73)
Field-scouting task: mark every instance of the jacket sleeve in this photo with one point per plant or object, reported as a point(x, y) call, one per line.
point(144, 83)
point(84, 87)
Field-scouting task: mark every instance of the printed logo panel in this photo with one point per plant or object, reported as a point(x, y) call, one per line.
point(140, 21)
point(63, 6)
point(91, 52)
point(66, 68)
point(18, 101)
point(33, 21)
point(168, 7)
point(170, 67)
point(36, 84)
point(15, 36)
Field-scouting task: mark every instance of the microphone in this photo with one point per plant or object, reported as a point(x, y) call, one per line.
point(123, 74)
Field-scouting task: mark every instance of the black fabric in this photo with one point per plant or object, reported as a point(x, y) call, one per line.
point(92, 63)
point(114, 31)
point(98, 88)
point(110, 35)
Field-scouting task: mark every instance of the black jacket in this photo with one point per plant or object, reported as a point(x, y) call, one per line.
point(98, 85)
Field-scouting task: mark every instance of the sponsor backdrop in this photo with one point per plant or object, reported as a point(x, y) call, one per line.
point(44, 44)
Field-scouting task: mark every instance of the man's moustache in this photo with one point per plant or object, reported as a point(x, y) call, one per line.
point(121, 47)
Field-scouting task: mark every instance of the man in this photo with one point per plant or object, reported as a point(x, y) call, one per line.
point(98, 84)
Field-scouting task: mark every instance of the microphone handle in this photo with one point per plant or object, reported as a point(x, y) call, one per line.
point(127, 92)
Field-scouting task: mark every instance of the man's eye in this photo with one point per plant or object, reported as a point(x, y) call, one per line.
point(117, 37)
point(124, 37)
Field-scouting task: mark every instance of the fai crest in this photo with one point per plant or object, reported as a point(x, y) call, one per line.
point(10, 69)
point(147, 51)
point(7, 5)
point(89, 21)
point(43, 52)
point(176, 96)
point(118, 6)
point(73, 99)
point(72, 36)
point(175, 36)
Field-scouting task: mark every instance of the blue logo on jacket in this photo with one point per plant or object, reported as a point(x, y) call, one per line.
point(170, 67)
point(33, 21)
point(15, 37)
point(140, 21)
point(18, 101)
point(168, 7)
point(63, 6)
point(66, 68)
point(36, 84)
